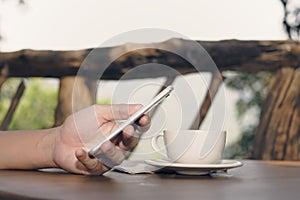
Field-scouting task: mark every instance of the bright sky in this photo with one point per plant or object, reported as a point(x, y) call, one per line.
point(78, 24)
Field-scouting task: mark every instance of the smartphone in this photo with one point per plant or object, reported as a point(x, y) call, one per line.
point(155, 101)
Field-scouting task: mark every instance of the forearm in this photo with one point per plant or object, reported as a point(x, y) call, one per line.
point(27, 149)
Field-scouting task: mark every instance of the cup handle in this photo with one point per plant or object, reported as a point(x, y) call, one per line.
point(155, 145)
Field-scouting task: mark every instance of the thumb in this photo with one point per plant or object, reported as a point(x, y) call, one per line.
point(92, 165)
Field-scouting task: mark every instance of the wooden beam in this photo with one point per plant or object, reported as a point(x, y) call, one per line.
point(214, 86)
point(243, 56)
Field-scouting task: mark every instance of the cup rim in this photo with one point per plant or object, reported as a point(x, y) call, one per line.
point(222, 132)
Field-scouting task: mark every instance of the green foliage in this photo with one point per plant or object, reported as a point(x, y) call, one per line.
point(252, 89)
point(36, 108)
point(243, 149)
point(104, 101)
point(37, 105)
point(7, 92)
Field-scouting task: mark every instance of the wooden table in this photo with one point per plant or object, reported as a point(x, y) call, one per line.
point(254, 180)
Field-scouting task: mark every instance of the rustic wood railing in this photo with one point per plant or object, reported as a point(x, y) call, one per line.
point(242, 56)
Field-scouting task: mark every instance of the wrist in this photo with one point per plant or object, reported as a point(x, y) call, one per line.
point(46, 146)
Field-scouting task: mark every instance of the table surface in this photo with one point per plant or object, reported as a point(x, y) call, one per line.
point(254, 180)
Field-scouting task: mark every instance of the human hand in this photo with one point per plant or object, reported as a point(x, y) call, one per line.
point(82, 130)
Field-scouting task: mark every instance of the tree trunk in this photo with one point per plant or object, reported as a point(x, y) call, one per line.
point(278, 134)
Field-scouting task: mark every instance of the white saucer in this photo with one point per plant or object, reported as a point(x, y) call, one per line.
point(194, 169)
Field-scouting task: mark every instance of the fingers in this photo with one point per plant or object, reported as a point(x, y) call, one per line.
point(92, 166)
point(144, 123)
point(130, 135)
point(144, 120)
point(110, 155)
point(129, 138)
point(116, 111)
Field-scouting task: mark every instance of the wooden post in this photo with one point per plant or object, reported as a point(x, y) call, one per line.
point(278, 134)
point(68, 101)
point(13, 105)
point(3, 74)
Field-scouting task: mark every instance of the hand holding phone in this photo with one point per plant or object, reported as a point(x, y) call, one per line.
point(156, 100)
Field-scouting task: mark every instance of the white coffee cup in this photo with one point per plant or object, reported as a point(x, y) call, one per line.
point(191, 146)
